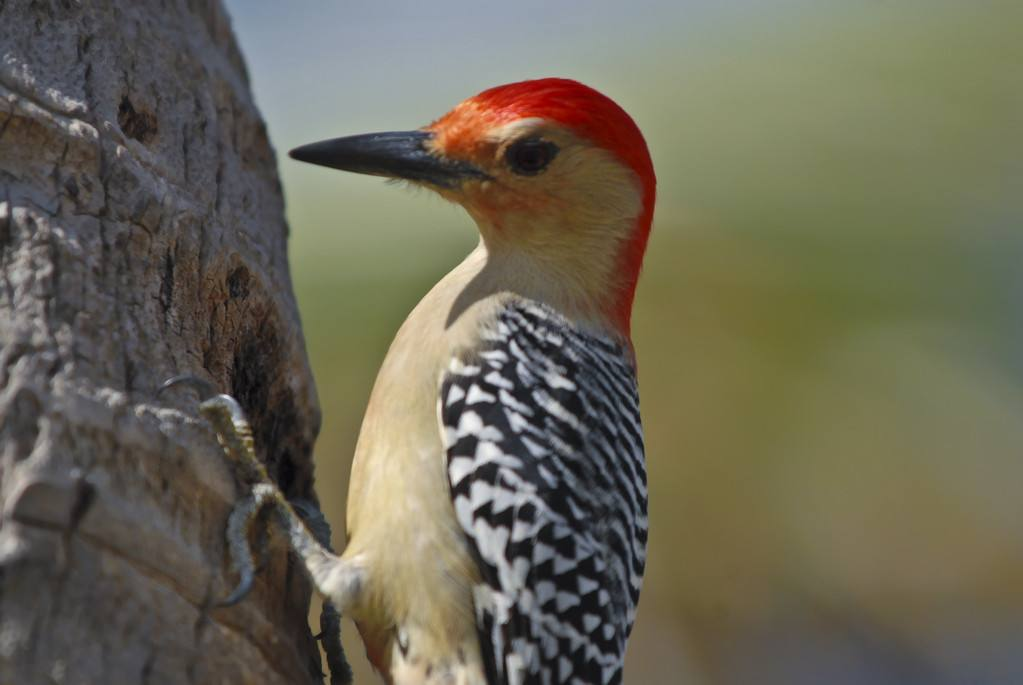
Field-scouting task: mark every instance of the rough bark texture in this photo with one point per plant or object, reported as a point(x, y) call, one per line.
point(141, 236)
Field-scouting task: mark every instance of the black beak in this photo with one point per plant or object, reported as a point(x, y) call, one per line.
point(396, 154)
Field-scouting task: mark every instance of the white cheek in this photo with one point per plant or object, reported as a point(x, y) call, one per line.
point(594, 184)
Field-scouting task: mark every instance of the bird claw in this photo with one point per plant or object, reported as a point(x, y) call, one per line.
point(240, 592)
point(242, 519)
point(203, 387)
point(234, 434)
point(228, 420)
point(309, 539)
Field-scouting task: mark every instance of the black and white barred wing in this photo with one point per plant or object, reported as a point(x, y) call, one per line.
point(545, 460)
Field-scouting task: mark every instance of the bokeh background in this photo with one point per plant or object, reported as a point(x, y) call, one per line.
point(829, 326)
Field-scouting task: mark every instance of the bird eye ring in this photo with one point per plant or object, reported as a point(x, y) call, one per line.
point(530, 156)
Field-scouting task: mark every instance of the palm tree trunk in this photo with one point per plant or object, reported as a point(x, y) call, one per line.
point(141, 236)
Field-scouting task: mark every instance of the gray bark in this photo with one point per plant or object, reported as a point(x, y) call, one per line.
point(141, 236)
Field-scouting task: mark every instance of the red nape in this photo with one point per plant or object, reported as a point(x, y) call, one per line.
point(596, 117)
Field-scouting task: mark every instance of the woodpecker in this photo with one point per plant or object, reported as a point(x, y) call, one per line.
point(497, 512)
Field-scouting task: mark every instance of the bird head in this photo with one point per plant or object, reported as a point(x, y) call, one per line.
point(556, 175)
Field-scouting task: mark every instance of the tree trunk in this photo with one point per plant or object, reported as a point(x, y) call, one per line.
point(141, 236)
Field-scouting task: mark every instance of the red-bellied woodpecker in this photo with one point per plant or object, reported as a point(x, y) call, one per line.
point(497, 515)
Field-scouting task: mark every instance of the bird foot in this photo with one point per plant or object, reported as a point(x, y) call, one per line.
point(339, 581)
point(234, 434)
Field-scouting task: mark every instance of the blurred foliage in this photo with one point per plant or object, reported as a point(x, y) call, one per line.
point(828, 329)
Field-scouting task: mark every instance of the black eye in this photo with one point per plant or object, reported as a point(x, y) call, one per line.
point(531, 156)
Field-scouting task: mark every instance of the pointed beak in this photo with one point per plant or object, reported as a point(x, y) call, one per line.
point(395, 154)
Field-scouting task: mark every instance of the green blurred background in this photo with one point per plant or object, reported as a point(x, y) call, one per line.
point(829, 325)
